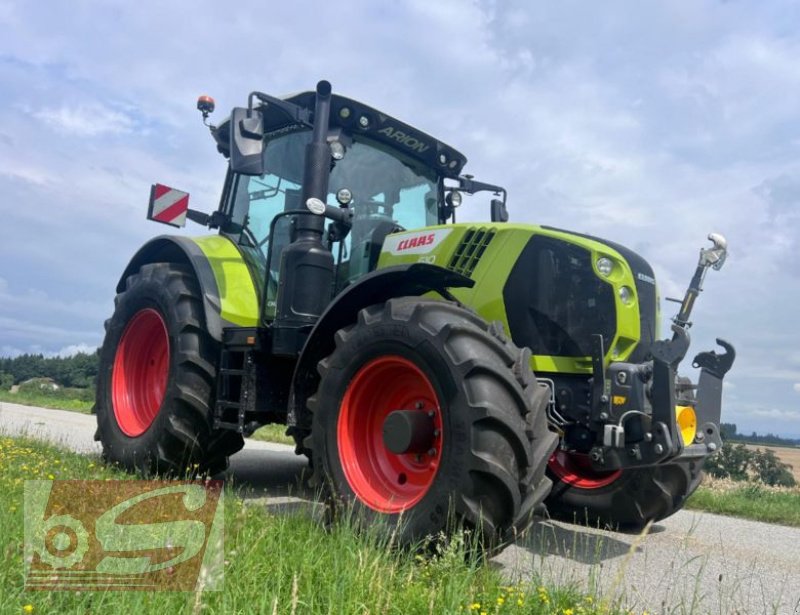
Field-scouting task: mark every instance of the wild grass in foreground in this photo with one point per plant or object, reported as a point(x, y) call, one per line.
point(750, 500)
point(274, 563)
point(79, 400)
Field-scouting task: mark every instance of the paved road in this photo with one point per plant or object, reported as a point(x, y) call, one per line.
point(689, 563)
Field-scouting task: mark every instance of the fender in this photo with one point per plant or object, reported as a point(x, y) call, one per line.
point(217, 264)
point(377, 287)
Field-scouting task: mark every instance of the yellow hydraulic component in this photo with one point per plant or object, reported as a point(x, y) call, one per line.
point(687, 423)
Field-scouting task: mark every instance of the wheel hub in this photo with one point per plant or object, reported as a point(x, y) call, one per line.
point(390, 457)
point(408, 431)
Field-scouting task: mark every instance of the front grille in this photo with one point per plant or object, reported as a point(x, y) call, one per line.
point(470, 250)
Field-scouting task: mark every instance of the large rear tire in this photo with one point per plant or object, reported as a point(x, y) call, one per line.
point(482, 441)
point(157, 376)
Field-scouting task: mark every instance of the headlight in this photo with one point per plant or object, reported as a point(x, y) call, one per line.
point(337, 150)
point(626, 295)
point(605, 266)
point(453, 198)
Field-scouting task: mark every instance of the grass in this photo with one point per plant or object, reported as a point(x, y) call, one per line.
point(63, 399)
point(748, 500)
point(275, 563)
point(272, 433)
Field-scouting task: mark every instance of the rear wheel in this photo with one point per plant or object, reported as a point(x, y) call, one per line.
point(628, 499)
point(155, 389)
point(426, 412)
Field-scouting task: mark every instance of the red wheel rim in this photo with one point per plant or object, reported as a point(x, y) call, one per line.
point(141, 368)
point(385, 481)
point(576, 470)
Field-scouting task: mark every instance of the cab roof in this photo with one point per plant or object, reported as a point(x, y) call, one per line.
point(359, 119)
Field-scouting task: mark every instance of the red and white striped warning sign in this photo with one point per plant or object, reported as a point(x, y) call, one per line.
point(168, 205)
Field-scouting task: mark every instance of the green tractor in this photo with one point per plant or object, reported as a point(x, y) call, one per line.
point(341, 299)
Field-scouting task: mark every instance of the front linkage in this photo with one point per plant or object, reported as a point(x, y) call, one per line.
point(634, 404)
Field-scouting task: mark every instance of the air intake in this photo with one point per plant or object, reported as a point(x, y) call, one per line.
point(470, 250)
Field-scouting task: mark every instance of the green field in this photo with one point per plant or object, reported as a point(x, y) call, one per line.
point(276, 563)
point(749, 500)
point(79, 400)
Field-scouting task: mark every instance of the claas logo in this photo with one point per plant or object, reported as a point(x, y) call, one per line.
point(413, 242)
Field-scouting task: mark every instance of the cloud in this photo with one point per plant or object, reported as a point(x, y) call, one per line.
point(73, 349)
point(779, 415)
point(87, 120)
point(65, 352)
point(796, 387)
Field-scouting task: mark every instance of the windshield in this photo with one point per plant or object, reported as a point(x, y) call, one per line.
point(389, 193)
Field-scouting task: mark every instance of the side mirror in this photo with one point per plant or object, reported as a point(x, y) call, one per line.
point(247, 141)
point(499, 211)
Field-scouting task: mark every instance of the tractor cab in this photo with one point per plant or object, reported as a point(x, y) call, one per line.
point(381, 190)
point(384, 177)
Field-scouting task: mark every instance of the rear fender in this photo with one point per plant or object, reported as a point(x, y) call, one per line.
point(377, 287)
point(229, 294)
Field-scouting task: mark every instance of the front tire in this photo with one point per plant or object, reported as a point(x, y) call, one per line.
point(481, 451)
point(155, 388)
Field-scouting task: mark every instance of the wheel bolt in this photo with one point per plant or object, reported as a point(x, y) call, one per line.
point(436, 433)
point(419, 405)
point(432, 452)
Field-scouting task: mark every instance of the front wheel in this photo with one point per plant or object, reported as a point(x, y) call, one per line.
point(426, 413)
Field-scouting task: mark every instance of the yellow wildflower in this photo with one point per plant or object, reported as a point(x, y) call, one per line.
point(28, 608)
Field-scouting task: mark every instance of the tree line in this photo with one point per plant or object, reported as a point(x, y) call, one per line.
point(79, 371)
point(730, 433)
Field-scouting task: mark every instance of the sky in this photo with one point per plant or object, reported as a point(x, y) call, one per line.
point(648, 123)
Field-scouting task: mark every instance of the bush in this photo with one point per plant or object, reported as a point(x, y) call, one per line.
point(731, 462)
point(6, 381)
point(772, 471)
point(737, 462)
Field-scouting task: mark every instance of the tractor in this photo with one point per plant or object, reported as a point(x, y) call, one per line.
point(436, 373)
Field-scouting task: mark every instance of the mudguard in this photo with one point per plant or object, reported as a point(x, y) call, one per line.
point(229, 294)
point(377, 287)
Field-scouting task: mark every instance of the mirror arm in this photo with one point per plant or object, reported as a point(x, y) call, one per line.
point(216, 219)
point(293, 112)
point(470, 186)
